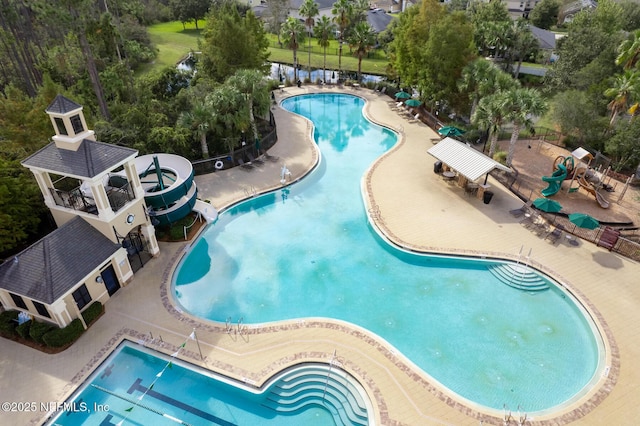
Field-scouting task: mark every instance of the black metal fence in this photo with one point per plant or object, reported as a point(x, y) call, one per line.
point(627, 243)
point(228, 160)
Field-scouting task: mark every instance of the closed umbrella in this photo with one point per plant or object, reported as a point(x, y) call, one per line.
point(583, 220)
point(413, 103)
point(547, 205)
point(402, 95)
point(450, 131)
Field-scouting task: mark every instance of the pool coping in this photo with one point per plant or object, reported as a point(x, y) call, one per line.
point(571, 414)
point(597, 391)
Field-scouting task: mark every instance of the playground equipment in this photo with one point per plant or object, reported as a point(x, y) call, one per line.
point(564, 169)
point(562, 166)
point(590, 182)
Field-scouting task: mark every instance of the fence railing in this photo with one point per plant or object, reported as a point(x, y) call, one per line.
point(624, 245)
point(228, 160)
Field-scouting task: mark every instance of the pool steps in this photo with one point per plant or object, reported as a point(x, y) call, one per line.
point(518, 276)
point(314, 385)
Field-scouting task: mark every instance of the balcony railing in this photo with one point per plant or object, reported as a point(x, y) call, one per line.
point(75, 200)
point(78, 200)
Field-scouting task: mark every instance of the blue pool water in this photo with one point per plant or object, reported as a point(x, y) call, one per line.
point(119, 391)
point(307, 251)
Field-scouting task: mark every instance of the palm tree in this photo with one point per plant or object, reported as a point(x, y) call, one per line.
point(324, 31)
point(520, 105)
point(629, 51)
point(475, 77)
point(309, 10)
point(524, 44)
point(362, 40)
point(490, 115)
point(341, 11)
point(482, 78)
point(250, 83)
point(232, 117)
point(624, 90)
point(201, 117)
point(292, 36)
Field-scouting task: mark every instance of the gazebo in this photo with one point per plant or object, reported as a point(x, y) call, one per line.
point(466, 161)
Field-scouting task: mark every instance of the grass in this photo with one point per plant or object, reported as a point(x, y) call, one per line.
point(375, 65)
point(174, 42)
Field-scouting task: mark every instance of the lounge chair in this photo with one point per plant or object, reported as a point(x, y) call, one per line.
point(253, 160)
point(554, 235)
point(522, 210)
point(245, 166)
point(268, 156)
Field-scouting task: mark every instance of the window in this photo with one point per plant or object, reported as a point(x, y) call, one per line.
point(76, 122)
point(82, 296)
point(60, 125)
point(42, 310)
point(17, 300)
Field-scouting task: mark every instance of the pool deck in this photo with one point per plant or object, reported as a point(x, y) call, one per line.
point(413, 207)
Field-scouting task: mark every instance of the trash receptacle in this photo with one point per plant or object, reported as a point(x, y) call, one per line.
point(437, 167)
point(487, 196)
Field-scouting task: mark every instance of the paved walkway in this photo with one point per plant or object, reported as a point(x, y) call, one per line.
point(413, 207)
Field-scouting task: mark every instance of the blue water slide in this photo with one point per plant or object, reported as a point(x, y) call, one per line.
point(554, 181)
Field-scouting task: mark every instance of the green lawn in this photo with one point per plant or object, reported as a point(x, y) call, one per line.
point(174, 42)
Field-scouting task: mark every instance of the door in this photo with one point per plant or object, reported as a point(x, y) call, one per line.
point(110, 280)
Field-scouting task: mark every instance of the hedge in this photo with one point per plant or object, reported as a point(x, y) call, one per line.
point(63, 336)
point(38, 330)
point(23, 329)
point(8, 323)
point(92, 312)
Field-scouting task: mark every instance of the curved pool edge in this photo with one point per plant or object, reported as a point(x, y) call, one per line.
point(605, 376)
point(569, 413)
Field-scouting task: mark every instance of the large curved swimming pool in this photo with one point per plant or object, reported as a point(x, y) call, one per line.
point(307, 250)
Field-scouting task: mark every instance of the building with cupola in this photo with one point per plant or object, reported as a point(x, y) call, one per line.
point(104, 230)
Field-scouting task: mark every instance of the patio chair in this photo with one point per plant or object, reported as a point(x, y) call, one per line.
point(529, 220)
point(268, 156)
point(554, 235)
point(245, 166)
point(541, 227)
point(254, 160)
point(521, 211)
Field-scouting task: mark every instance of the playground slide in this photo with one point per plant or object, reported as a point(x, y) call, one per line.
point(555, 180)
point(591, 187)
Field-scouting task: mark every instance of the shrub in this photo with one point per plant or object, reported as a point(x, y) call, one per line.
point(501, 157)
point(92, 312)
point(23, 329)
point(38, 330)
point(63, 336)
point(8, 323)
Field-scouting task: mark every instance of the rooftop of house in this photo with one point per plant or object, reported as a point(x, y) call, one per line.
point(55, 264)
point(546, 39)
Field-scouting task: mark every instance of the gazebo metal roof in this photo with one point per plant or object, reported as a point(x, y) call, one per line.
point(464, 159)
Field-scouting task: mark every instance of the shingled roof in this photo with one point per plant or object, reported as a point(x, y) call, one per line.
point(62, 105)
point(58, 262)
point(91, 158)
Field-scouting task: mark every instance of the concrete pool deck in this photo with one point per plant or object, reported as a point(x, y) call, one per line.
point(413, 207)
